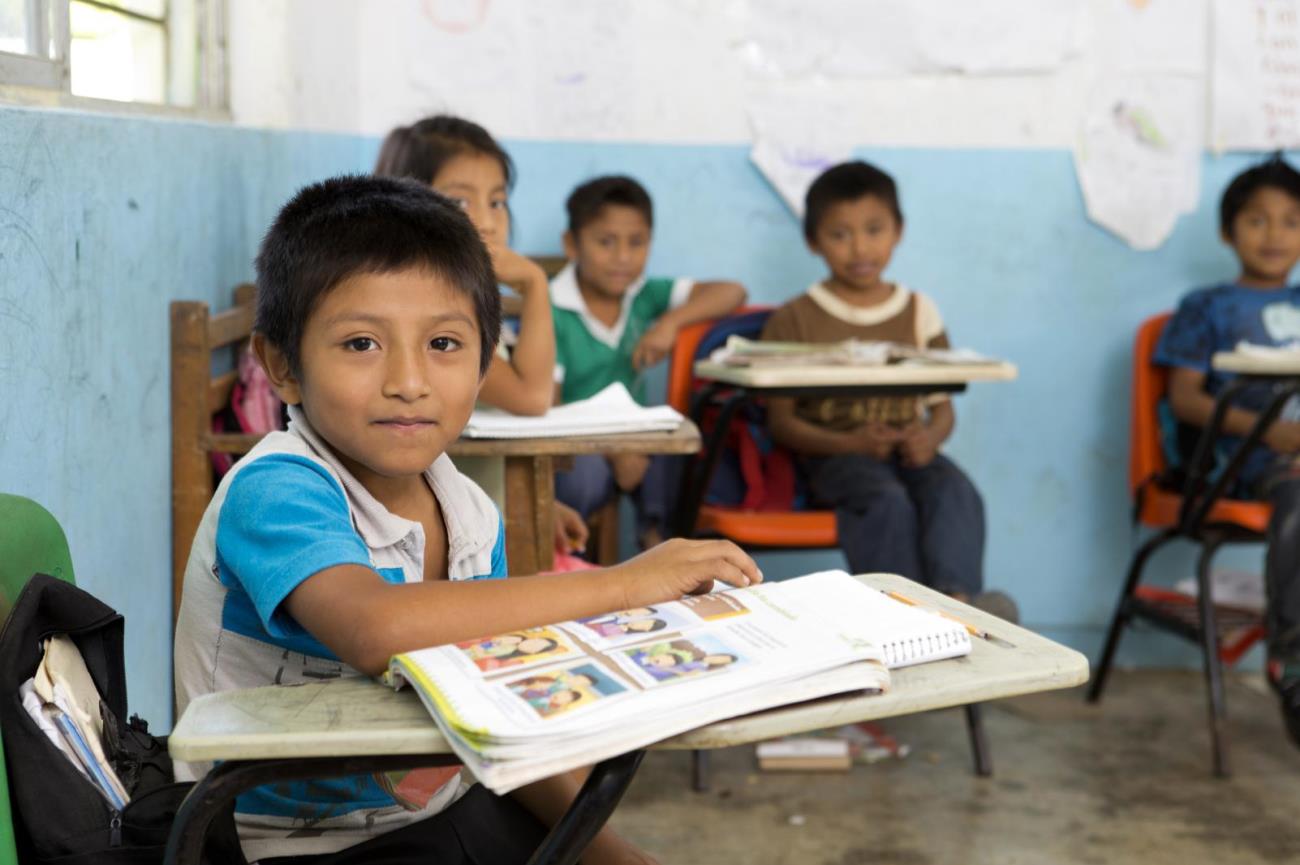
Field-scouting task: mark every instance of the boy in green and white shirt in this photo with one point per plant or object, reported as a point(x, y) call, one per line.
point(611, 323)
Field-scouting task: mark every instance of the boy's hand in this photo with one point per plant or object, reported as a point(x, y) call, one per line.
point(879, 440)
point(655, 344)
point(517, 271)
point(1283, 436)
point(679, 567)
point(570, 530)
point(919, 448)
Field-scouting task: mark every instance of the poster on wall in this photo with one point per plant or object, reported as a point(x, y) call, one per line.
point(1151, 35)
point(1255, 93)
point(868, 38)
point(1138, 155)
point(794, 141)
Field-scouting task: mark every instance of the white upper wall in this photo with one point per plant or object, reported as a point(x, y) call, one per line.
point(692, 71)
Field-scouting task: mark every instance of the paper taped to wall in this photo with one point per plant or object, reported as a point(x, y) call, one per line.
point(1256, 78)
point(1138, 155)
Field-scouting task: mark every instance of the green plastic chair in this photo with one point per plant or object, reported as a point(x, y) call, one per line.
point(31, 542)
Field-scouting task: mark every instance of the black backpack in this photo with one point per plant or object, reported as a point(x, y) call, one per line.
point(58, 815)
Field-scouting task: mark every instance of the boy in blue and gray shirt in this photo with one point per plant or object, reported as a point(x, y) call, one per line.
point(1259, 217)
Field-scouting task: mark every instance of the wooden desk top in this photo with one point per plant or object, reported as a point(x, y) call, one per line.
point(847, 376)
point(1282, 364)
point(683, 440)
point(363, 717)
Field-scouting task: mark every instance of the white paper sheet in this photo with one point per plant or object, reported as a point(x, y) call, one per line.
point(1138, 155)
point(1150, 35)
point(1256, 78)
point(797, 139)
point(865, 38)
point(610, 411)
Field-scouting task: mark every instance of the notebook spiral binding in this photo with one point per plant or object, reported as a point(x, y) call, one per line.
point(929, 647)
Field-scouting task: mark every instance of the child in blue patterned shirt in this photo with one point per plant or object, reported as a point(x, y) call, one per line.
point(1259, 217)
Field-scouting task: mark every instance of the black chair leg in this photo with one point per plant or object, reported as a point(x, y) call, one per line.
point(979, 743)
point(1218, 709)
point(700, 771)
point(1121, 617)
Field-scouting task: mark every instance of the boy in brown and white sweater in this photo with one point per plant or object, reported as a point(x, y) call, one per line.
point(900, 505)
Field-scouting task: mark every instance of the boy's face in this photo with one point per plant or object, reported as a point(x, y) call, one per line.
point(856, 238)
point(389, 372)
point(611, 250)
point(1266, 236)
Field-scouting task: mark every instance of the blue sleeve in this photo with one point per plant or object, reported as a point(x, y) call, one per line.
point(499, 569)
point(284, 519)
point(1189, 339)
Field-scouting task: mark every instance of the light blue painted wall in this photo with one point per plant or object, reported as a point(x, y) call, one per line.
point(104, 220)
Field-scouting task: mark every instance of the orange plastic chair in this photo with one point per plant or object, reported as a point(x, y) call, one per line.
point(1224, 633)
point(811, 529)
point(775, 529)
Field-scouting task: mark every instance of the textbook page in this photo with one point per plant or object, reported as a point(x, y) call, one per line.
point(516, 707)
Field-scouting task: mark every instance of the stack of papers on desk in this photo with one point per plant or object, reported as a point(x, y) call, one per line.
point(611, 411)
point(740, 351)
point(1288, 352)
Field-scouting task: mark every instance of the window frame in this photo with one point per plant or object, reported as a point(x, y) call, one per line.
point(28, 79)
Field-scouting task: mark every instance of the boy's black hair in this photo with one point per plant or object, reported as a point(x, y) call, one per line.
point(847, 181)
point(1275, 172)
point(588, 200)
point(344, 226)
point(419, 151)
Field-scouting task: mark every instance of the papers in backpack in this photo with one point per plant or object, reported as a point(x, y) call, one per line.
point(596, 687)
point(739, 351)
point(609, 412)
point(1137, 156)
point(63, 699)
point(1241, 589)
point(1255, 81)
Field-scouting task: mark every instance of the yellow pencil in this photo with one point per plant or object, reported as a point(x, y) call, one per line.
point(971, 629)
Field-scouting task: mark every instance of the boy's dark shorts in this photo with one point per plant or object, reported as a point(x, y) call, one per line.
point(480, 828)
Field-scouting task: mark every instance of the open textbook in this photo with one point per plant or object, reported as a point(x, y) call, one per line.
point(612, 410)
point(523, 706)
point(740, 351)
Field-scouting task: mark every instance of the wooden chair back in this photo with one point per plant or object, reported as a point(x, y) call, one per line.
point(197, 395)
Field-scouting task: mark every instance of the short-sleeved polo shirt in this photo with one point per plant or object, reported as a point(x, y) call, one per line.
point(591, 355)
point(285, 512)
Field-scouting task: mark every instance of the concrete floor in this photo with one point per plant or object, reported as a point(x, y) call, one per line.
point(1127, 781)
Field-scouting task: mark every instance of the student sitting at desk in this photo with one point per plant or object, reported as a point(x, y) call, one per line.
point(351, 536)
point(462, 160)
point(1259, 218)
point(900, 506)
point(611, 323)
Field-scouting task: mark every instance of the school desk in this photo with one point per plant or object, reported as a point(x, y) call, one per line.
point(530, 481)
point(729, 387)
point(1282, 372)
point(358, 725)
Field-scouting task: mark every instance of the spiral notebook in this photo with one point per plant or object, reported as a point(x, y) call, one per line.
point(914, 634)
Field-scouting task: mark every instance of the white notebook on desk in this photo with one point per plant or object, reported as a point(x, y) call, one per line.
point(914, 635)
point(905, 633)
point(610, 411)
